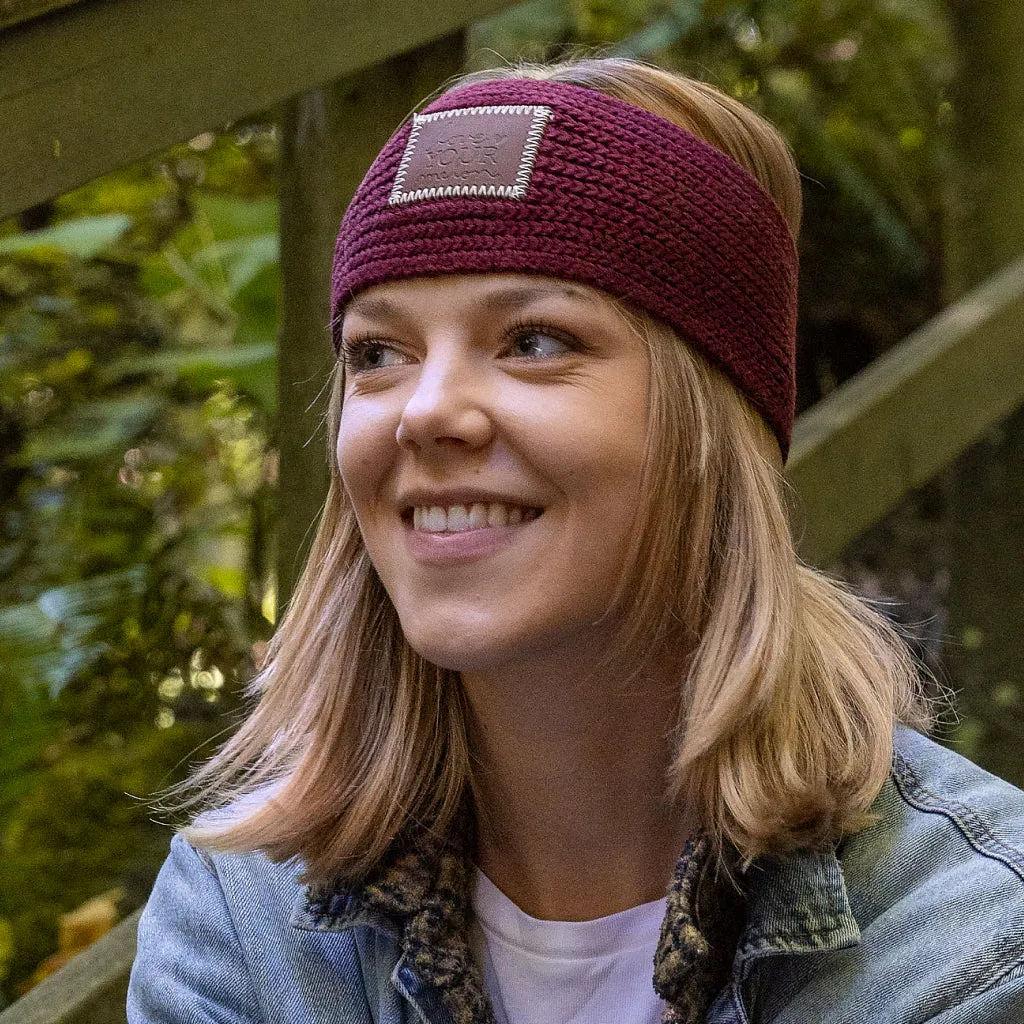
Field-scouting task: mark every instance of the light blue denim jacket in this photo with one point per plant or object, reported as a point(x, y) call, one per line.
point(918, 918)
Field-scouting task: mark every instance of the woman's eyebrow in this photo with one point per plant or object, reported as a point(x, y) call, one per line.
point(506, 299)
point(374, 308)
point(500, 300)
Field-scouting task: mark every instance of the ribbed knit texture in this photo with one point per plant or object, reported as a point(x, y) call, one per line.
point(620, 199)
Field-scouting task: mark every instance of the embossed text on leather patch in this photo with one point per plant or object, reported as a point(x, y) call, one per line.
point(470, 151)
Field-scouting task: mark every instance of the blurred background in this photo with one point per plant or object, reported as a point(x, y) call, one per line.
point(162, 354)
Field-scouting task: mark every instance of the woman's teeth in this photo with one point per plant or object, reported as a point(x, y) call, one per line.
point(459, 518)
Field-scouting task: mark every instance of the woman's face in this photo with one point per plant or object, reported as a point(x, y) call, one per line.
point(491, 442)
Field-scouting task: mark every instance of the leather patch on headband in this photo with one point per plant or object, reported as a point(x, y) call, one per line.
point(470, 151)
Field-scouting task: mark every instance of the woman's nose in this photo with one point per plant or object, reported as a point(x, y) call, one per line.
point(447, 407)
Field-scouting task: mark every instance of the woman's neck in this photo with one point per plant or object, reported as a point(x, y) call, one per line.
point(569, 778)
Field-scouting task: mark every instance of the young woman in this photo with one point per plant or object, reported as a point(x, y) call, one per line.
point(557, 728)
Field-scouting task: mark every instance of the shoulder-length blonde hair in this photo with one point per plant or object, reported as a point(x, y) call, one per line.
point(792, 685)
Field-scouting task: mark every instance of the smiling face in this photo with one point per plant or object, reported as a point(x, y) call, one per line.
point(491, 444)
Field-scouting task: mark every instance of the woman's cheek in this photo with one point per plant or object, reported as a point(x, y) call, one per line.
point(363, 450)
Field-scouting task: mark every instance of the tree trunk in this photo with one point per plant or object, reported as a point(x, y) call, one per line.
point(330, 137)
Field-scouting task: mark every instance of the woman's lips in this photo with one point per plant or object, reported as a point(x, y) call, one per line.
point(447, 546)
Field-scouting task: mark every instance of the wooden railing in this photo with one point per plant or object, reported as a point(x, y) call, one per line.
point(94, 85)
point(908, 415)
point(88, 86)
point(89, 989)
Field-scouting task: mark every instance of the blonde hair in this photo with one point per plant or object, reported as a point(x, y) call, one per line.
point(792, 685)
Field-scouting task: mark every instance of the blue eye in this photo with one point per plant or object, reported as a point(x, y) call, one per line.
point(537, 343)
point(362, 354)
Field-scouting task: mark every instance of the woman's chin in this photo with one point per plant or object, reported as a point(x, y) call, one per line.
point(454, 637)
point(467, 643)
point(479, 647)
point(453, 654)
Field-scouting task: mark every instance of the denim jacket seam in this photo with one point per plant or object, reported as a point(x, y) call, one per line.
point(966, 819)
point(205, 859)
point(821, 935)
point(1011, 972)
point(736, 998)
point(208, 864)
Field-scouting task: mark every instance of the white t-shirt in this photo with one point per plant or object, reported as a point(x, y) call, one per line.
point(566, 972)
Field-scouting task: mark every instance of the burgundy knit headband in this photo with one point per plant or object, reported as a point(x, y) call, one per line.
point(525, 176)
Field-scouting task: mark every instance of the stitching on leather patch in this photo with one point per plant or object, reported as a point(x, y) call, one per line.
point(470, 151)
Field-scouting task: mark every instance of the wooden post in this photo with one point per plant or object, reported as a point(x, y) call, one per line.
point(330, 137)
point(986, 604)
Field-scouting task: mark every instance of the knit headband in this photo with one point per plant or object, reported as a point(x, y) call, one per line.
point(525, 176)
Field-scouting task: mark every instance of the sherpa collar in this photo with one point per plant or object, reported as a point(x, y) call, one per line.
point(421, 896)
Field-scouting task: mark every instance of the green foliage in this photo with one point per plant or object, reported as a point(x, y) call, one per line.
point(137, 394)
point(85, 237)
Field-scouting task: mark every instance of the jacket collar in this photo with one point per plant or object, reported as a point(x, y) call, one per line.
point(420, 895)
point(797, 903)
point(719, 919)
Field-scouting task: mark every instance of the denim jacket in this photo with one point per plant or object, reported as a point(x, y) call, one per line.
point(919, 917)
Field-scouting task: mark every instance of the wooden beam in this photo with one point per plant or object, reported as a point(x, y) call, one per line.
point(329, 139)
point(908, 415)
point(14, 11)
point(97, 85)
point(89, 989)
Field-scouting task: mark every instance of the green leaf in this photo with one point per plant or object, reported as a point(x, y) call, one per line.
point(157, 278)
point(229, 217)
point(242, 258)
point(25, 629)
point(29, 650)
point(653, 38)
point(83, 237)
point(76, 602)
point(258, 378)
point(229, 580)
point(251, 366)
point(197, 364)
point(50, 640)
point(94, 429)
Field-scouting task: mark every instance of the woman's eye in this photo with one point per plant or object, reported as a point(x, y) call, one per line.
point(538, 344)
point(370, 355)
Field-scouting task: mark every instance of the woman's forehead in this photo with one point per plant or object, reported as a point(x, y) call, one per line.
point(484, 293)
